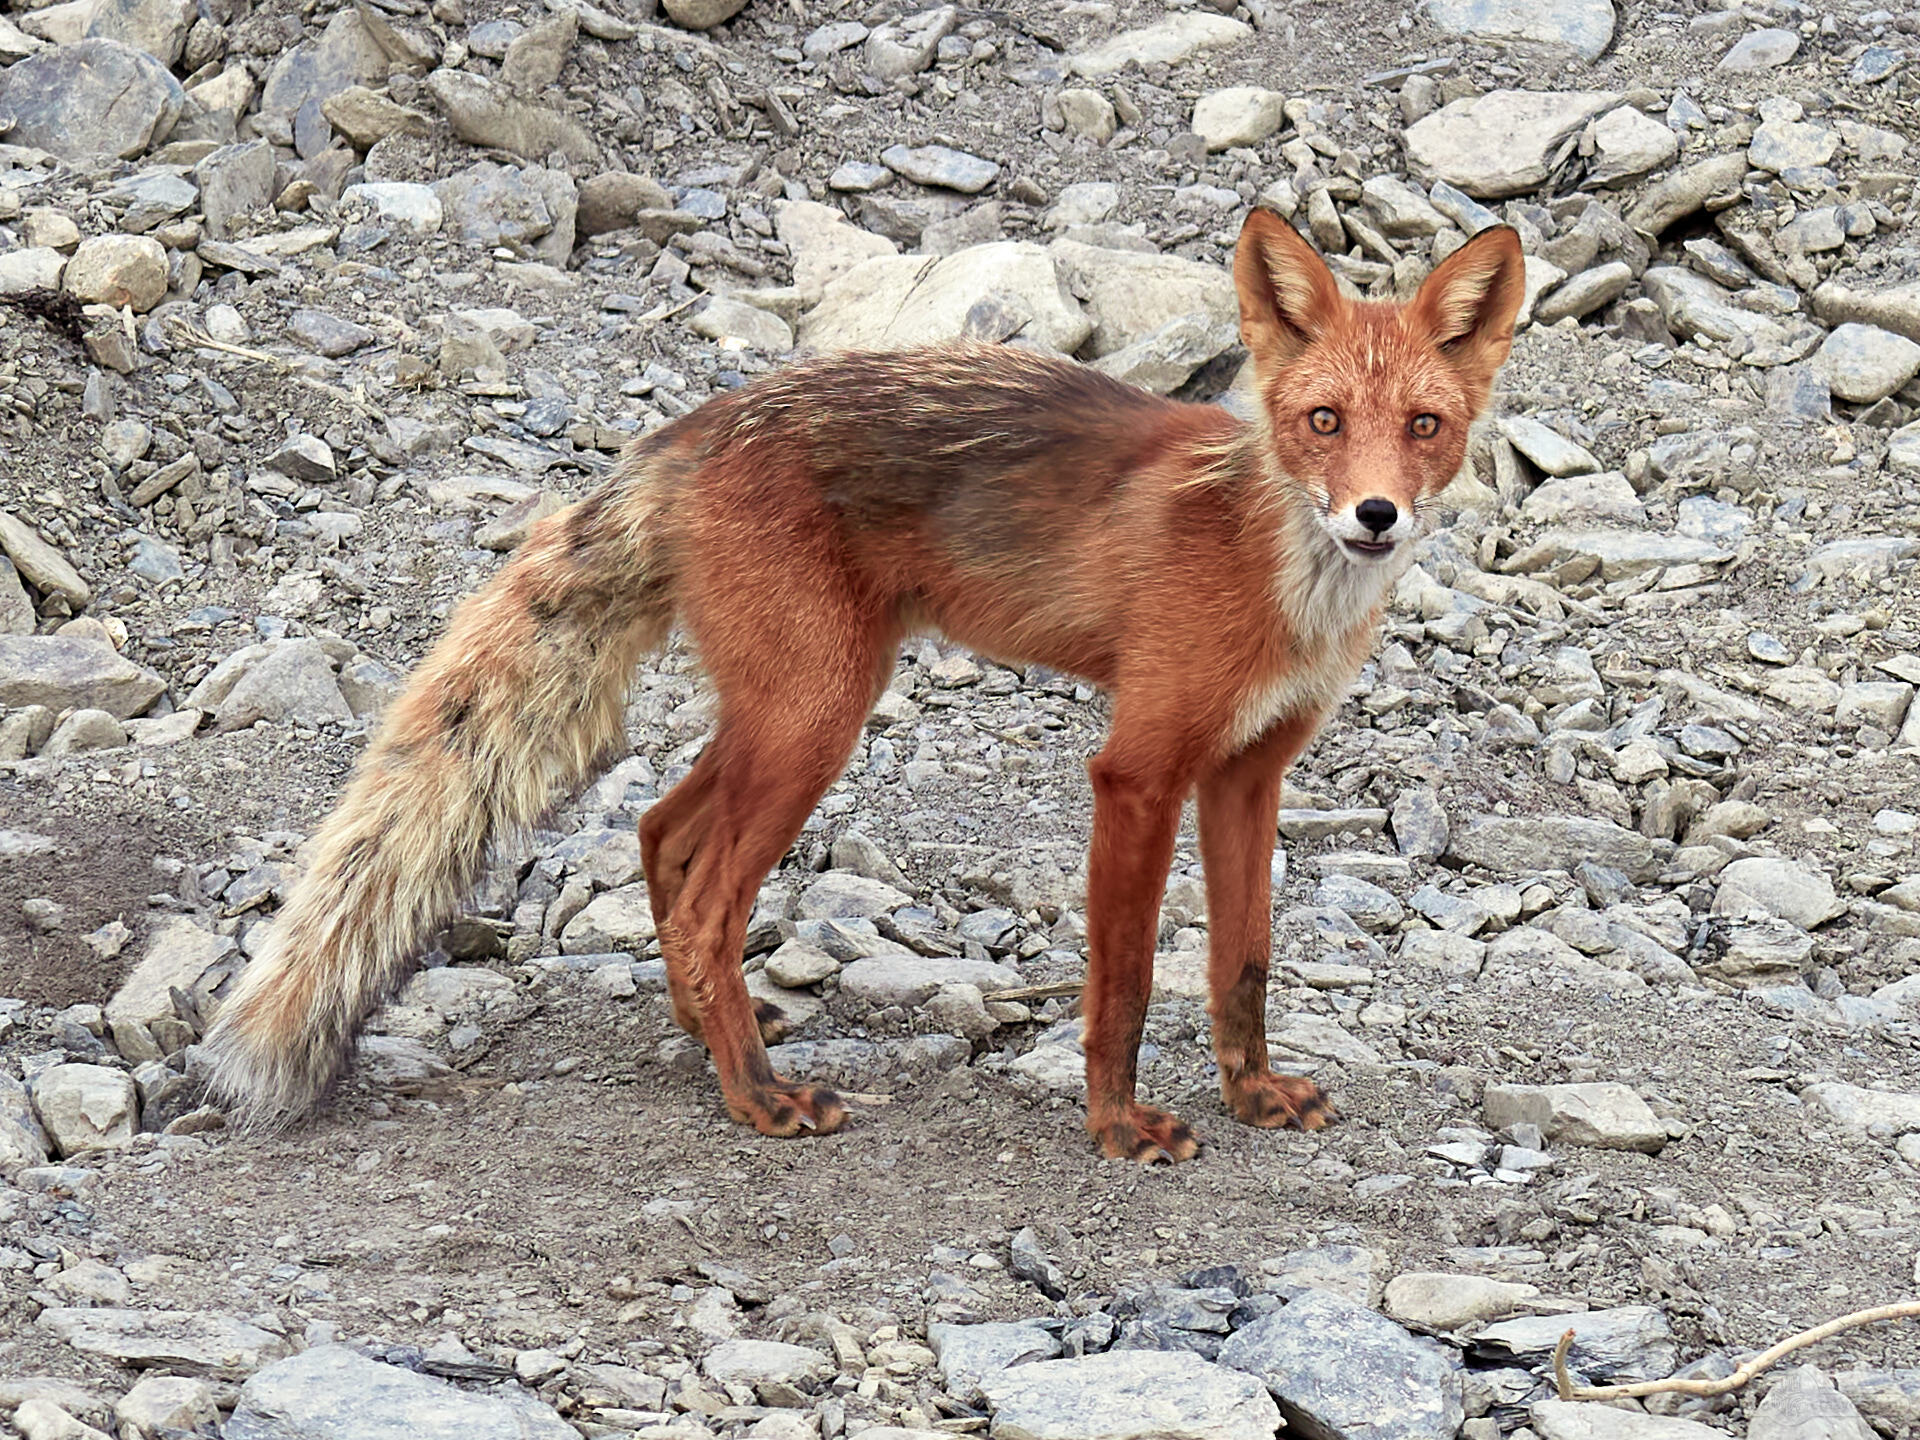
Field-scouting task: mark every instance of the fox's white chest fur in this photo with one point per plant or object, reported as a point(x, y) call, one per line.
point(1324, 598)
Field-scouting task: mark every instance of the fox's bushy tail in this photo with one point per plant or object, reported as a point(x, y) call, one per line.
point(519, 703)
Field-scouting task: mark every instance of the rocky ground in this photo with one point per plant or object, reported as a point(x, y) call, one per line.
point(1600, 913)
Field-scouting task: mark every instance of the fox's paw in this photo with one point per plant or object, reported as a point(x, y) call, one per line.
point(1145, 1133)
point(1276, 1102)
point(784, 1108)
point(773, 1022)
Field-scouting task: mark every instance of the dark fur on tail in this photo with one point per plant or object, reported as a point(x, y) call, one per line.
point(519, 704)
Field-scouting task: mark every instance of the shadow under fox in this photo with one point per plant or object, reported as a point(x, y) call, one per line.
point(1222, 579)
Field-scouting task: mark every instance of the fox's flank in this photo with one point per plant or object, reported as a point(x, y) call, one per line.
point(1223, 579)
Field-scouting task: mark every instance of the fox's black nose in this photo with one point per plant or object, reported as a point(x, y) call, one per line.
point(1376, 514)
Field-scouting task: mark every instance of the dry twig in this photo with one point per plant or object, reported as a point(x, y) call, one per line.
point(1765, 1360)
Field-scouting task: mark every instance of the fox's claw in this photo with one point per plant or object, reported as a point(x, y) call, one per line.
point(1146, 1134)
point(1276, 1102)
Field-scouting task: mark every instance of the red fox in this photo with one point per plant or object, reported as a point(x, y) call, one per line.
point(1223, 580)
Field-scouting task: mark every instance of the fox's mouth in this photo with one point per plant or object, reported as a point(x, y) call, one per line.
point(1370, 549)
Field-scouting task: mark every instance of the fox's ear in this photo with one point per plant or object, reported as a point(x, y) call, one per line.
point(1288, 296)
point(1467, 306)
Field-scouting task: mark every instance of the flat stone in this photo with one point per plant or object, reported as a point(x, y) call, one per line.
point(841, 894)
point(1584, 27)
point(1605, 1115)
point(1780, 145)
point(1132, 296)
point(968, 1354)
point(703, 14)
point(1685, 191)
point(85, 730)
point(1627, 144)
point(1629, 1342)
point(292, 684)
point(1584, 497)
point(85, 1107)
point(941, 166)
point(1442, 1301)
point(1761, 50)
point(1863, 363)
point(1804, 1404)
point(333, 1393)
point(907, 980)
point(1500, 143)
point(1861, 1109)
point(738, 325)
point(193, 1341)
point(1695, 307)
point(169, 1402)
point(66, 673)
point(998, 290)
point(823, 245)
point(23, 1143)
point(1890, 1399)
point(483, 112)
point(234, 180)
point(328, 335)
point(614, 920)
point(40, 565)
point(762, 1362)
point(1521, 844)
point(344, 55)
point(1896, 308)
point(1129, 1395)
point(1547, 447)
point(1340, 1369)
point(1171, 41)
point(93, 97)
point(1781, 888)
point(906, 47)
point(1583, 1420)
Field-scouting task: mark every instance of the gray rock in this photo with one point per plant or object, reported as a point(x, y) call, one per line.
point(1500, 143)
point(40, 565)
point(85, 730)
point(1761, 50)
point(825, 41)
point(1780, 145)
point(968, 1354)
point(1627, 143)
point(94, 97)
point(1519, 844)
point(488, 204)
point(611, 201)
point(1547, 448)
point(292, 684)
point(85, 1107)
point(483, 112)
point(797, 964)
point(1129, 1395)
point(66, 673)
point(1171, 41)
point(329, 335)
point(1759, 953)
point(1631, 1342)
point(1890, 1399)
point(159, 1403)
point(117, 270)
point(907, 980)
point(766, 1362)
point(1240, 115)
point(906, 47)
point(1863, 363)
point(1584, 497)
point(1860, 1109)
point(1583, 1420)
point(1605, 1115)
point(941, 166)
point(1685, 191)
point(1165, 360)
point(333, 1393)
point(1420, 828)
point(1341, 1370)
point(614, 920)
point(1781, 888)
point(192, 1341)
point(346, 54)
point(1805, 1405)
point(1584, 27)
point(1694, 307)
point(735, 323)
point(22, 1142)
point(1133, 296)
point(234, 180)
point(840, 894)
point(1896, 308)
point(1089, 113)
point(896, 301)
point(1371, 906)
point(1442, 1301)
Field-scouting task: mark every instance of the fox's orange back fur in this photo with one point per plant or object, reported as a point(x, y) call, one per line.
point(1210, 572)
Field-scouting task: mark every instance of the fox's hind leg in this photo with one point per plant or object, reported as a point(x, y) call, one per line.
point(670, 832)
point(1239, 811)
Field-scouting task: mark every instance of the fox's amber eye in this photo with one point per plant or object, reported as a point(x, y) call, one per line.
point(1324, 421)
point(1424, 427)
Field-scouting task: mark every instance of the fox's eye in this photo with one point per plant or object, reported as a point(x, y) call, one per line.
point(1324, 421)
point(1424, 427)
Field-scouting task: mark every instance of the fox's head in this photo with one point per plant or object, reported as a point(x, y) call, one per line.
point(1366, 404)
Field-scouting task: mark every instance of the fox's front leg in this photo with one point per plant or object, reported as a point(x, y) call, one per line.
point(1136, 815)
point(1239, 811)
